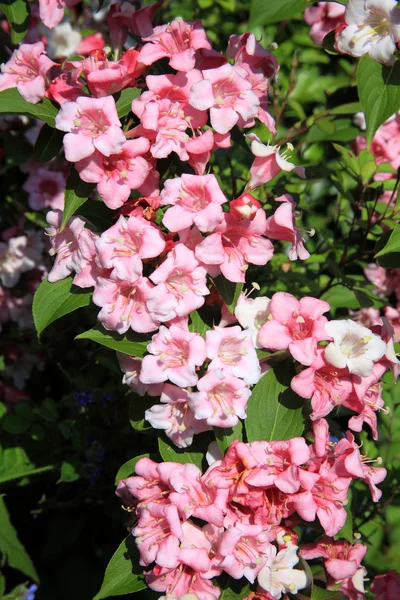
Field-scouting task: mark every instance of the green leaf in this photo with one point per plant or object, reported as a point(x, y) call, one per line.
point(48, 144)
point(14, 464)
point(265, 12)
point(124, 101)
point(170, 453)
point(15, 425)
point(12, 103)
point(349, 159)
point(197, 324)
point(127, 344)
point(123, 574)
point(340, 296)
point(319, 593)
point(69, 471)
point(137, 407)
point(54, 300)
point(346, 109)
point(225, 437)
point(274, 411)
point(16, 555)
point(379, 92)
point(393, 243)
point(229, 291)
point(76, 194)
point(17, 15)
point(128, 468)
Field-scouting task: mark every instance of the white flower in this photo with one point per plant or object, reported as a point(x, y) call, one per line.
point(359, 121)
point(278, 575)
point(252, 314)
point(353, 346)
point(18, 256)
point(373, 27)
point(63, 40)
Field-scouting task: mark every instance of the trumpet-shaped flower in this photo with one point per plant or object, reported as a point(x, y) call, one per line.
point(130, 366)
point(243, 550)
point(278, 576)
point(252, 313)
point(281, 226)
point(232, 350)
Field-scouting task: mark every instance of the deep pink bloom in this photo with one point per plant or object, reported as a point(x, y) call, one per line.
point(296, 325)
point(244, 207)
point(45, 188)
point(245, 49)
point(232, 350)
point(324, 17)
point(178, 41)
point(92, 124)
point(175, 354)
point(282, 226)
point(182, 581)
point(387, 586)
point(94, 41)
point(64, 88)
point(27, 71)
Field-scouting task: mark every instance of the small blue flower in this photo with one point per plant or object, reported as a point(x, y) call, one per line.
point(84, 397)
point(31, 591)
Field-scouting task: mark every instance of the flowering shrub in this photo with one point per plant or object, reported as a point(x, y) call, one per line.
point(248, 290)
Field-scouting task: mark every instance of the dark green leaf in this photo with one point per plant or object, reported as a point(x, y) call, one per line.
point(17, 14)
point(12, 103)
point(69, 471)
point(379, 92)
point(11, 547)
point(127, 344)
point(54, 300)
point(229, 291)
point(170, 453)
point(15, 425)
point(123, 574)
point(319, 593)
point(124, 101)
point(393, 243)
point(197, 324)
point(274, 411)
point(48, 144)
point(128, 468)
point(76, 194)
point(265, 12)
point(14, 464)
point(225, 437)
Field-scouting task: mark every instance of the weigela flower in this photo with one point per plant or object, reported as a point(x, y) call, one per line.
point(387, 586)
point(324, 17)
point(178, 41)
point(182, 582)
point(123, 246)
point(373, 27)
point(45, 188)
point(150, 485)
point(353, 346)
point(221, 399)
point(251, 314)
point(175, 354)
point(131, 366)
point(65, 89)
point(63, 41)
point(157, 535)
point(27, 71)
point(91, 124)
point(236, 243)
point(244, 207)
point(180, 285)
point(228, 96)
point(16, 257)
point(232, 350)
point(296, 325)
point(116, 175)
point(245, 49)
point(281, 226)
point(52, 11)
point(279, 576)
point(195, 199)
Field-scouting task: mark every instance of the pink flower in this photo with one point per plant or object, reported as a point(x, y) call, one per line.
point(64, 88)
point(180, 285)
point(92, 124)
point(175, 354)
point(221, 399)
point(178, 41)
point(268, 163)
point(123, 246)
point(244, 207)
point(196, 199)
point(94, 41)
point(122, 17)
point(234, 244)
point(27, 71)
point(176, 583)
point(245, 49)
point(52, 11)
point(387, 586)
point(324, 17)
point(175, 416)
point(232, 350)
point(45, 188)
point(150, 485)
point(296, 325)
point(116, 175)
point(228, 96)
point(131, 366)
point(123, 305)
point(243, 550)
point(281, 226)
point(157, 535)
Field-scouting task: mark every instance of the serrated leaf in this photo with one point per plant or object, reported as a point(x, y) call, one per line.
point(12, 103)
point(229, 291)
point(379, 92)
point(48, 144)
point(10, 546)
point(274, 411)
point(197, 324)
point(171, 453)
point(224, 437)
point(265, 12)
point(128, 468)
point(124, 101)
point(54, 300)
point(17, 14)
point(392, 245)
point(123, 574)
point(76, 194)
point(127, 344)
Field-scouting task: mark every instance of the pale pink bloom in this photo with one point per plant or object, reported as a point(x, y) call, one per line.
point(236, 243)
point(393, 316)
point(245, 49)
point(123, 246)
point(251, 314)
point(324, 17)
point(243, 550)
point(353, 346)
point(268, 163)
point(232, 350)
point(130, 366)
point(244, 207)
point(199, 149)
point(175, 354)
point(195, 199)
point(296, 325)
point(150, 485)
point(175, 416)
point(181, 285)
point(45, 188)
point(178, 41)
point(123, 305)
point(282, 226)
point(16, 257)
point(278, 576)
point(259, 86)
point(326, 385)
point(183, 582)
point(116, 175)
point(387, 586)
point(228, 96)
point(91, 124)
point(221, 399)
point(367, 316)
point(157, 535)
point(52, 11)
point(27, 71)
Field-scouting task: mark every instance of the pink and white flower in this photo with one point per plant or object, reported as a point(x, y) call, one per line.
point(232, 350)
point(45, 188)
point(278, 576)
